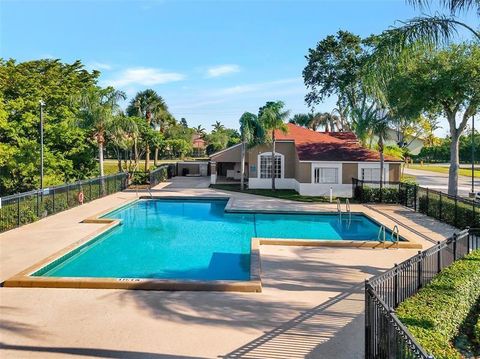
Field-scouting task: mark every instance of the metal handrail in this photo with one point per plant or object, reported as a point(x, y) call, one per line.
point(380, 237)
point(347, 206)
point(395, 232)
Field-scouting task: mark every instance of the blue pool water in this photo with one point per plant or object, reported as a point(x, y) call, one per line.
point(194, 239)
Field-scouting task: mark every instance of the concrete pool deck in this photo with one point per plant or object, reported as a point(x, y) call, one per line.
point(311, 304)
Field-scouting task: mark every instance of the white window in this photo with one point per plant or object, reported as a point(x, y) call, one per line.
point(266, 166)
point(372, 174)
point(325, 175)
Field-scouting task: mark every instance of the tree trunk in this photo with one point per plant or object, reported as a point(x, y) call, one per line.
point(273, 160)
point(147, 157)
point(135, 153)
point(382, 163)
point(155, 161)
point(454, 164)
point(100, 157)
point(148, 117)
point(119, 158)
point(242, 168)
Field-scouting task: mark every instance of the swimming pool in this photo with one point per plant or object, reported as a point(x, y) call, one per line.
point(184, 239)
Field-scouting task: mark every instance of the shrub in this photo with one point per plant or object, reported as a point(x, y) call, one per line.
point(476, 334)
point(370, 194)
point(435, 314)
point(444, 209)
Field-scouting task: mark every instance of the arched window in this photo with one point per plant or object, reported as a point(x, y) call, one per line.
point(265, 165)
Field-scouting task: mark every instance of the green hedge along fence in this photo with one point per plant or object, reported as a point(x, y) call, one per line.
point(456, 211)
point(435, 314)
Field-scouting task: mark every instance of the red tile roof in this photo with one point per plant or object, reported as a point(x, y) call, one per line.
point(328, 146)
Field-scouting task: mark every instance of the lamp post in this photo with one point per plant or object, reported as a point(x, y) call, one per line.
point(473, 155)
point(41, 143)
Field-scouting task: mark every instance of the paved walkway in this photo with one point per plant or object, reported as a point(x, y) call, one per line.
point(311, 304)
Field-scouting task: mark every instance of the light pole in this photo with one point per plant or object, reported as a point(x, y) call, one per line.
point(41, 143)
point(473, 155)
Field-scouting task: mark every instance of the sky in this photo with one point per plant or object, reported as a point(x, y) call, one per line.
point(210, 60)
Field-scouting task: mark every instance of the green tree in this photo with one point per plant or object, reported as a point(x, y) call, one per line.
point(122, 132)
point(98, 108)
point(68, 150)
point(445, 82)
point(251, 133)
point(218, 126)
point(272, 117)
point(152, 107)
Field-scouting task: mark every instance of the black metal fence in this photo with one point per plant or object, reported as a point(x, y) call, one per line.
point(457, 211)
point(385, 335)
point(22, 208)
point(162, 173)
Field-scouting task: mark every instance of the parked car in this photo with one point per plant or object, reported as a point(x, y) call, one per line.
point(477, 197)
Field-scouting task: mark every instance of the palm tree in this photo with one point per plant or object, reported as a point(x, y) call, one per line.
point(200, 131)
point(122, 132)
point(272, 118)
point(218, 126)
point(97, 109)
point(251, 133)
point(430, 31)
point(152, 107)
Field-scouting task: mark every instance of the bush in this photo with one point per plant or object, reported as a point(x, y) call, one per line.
point(476, 334)
point(435, 314)
point(370, 194)
point(444, 209)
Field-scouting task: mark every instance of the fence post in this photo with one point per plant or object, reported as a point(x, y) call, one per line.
point(368, 325)
point(428, 202)
point(68, 188)
point(395, 288)
point(38, 205)
point(454, 247)
point(440, 207)
point(18, 211)
point(439, 258)
point(53, 200)
point(415, 197)
point(420, 270)
point(455, 221)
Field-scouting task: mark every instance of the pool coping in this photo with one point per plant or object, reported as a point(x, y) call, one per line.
point(24, 278)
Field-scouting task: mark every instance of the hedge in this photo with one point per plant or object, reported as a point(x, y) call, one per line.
point(476, 334)
point(435, 314)
point(466, 215)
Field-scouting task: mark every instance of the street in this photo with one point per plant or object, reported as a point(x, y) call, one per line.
point(439, 181)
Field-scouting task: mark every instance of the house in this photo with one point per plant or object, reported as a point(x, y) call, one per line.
point(199, 145)
point(307, 161)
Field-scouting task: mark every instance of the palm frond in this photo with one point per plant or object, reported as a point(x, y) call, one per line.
point(454, 6)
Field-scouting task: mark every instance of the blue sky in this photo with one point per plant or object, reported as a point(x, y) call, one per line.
point(210, 60)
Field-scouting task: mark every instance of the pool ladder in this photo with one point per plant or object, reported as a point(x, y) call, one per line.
point(394, 237)
point(347, 209)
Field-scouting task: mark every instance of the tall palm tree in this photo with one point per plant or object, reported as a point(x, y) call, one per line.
point(218, 126)
point(200, 131)
point(122, 132)
point(251, 133)
point(272, 117)
point(97, 109)
point(425, 30)
point(152, 107)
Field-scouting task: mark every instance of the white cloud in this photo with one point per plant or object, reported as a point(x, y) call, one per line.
point(145, 76)
point(98, 66)
point(261, 86)
point(221, 70)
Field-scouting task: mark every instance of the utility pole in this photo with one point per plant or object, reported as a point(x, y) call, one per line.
point(473, 156)
point(41, 143)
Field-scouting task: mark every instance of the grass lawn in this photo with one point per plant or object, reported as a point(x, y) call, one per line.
point(279, 193)
point(441, 169)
